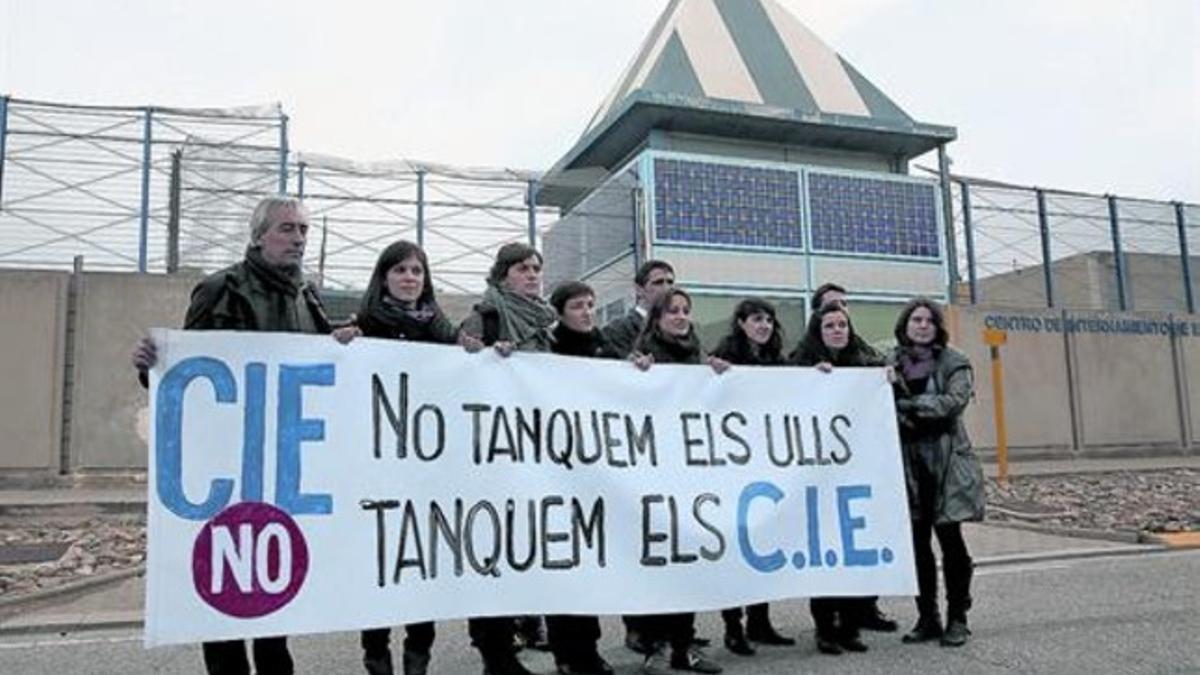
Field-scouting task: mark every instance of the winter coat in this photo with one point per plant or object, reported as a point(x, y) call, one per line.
point(622, 332)
point(588, 345)
point(237, 298)
point(943, 446)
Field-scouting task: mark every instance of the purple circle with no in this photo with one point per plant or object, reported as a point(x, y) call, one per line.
point(259, 554)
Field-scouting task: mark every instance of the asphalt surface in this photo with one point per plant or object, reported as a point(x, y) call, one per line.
point(1130, 614)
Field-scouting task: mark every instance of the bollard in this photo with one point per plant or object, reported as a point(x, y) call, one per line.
point(994, 339)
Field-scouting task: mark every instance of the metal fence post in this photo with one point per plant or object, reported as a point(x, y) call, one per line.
point(948, 225)
point(1118, 256)
point(969, 239)
point(531, 197)
point(3, 143)
point(1044, 229)
point(283, 153)
point(421, 208)
point(147, 157)
point(173, 211)
point(300, 169)
point(1185, 261)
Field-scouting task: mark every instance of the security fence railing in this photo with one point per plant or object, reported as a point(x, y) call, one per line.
point(1033, 247)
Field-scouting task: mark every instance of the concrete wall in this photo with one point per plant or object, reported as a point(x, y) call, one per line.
point(1126, 388)
point(33, 305)
point(1037, 395)
point(108, 405)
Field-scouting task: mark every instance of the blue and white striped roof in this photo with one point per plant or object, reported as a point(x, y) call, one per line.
point(753, 62)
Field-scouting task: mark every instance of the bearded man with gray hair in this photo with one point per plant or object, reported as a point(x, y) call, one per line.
point(265, 291)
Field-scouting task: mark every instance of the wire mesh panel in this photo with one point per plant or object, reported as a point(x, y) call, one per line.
point(1081, 252)
point(1007, 246)
point(82, 180)
point(1153, 263)
point(593, 232)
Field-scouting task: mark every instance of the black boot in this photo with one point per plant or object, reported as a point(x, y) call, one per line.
point(872, 618)
point(415, 663)
point(765, 634)
point(850, 640)
point(828, 644)
point(928, 627)
point(735, 639)
point(957, 633)
point(378, 662)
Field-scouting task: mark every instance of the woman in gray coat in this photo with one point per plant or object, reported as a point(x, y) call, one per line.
point(945, 480)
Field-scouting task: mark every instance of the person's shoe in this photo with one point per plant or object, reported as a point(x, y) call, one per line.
point(825, 645)
point(694, 661)
point(415, 663)
point(656, 662)
point(378, 663)
point(767, 635)
point(736, 642)
point(874, 619)
point(956, 634)
point(503, 663)
point(852, 643)
point(592, 664)
point(927, 628)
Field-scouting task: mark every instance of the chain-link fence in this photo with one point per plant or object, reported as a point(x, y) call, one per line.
point(1031, 247)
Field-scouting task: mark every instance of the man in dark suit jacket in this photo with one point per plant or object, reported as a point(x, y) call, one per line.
point(653, 279)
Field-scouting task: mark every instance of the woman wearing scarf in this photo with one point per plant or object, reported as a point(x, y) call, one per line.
point(830, 342)
point(573, 638)
point(669, 337)
point(399, 305)
point(512, 317)
point(755, 339)
point(945, 480)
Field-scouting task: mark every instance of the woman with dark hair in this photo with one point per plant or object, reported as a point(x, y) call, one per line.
point(945, 480)
point(830, 342)
point(669, 337)
point(399, 304)
point(513, 315)
point(755, 339)
point(573, 638)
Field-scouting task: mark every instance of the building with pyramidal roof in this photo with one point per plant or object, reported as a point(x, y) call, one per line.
point(744, 150)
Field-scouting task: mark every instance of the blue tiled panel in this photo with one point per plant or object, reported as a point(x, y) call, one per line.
point(851, 214)
point(710, 203)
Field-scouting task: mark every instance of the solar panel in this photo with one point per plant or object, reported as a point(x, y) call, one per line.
point(855, 214)
point(727, 204)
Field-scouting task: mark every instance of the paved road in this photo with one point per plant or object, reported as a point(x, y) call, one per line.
point(1126, 615)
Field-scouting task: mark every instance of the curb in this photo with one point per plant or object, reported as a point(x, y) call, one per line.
point(1118, 536)
point(65, 625)
point(1072, 554)
point(71, 588)
point(1176, 541)
point(74, 509)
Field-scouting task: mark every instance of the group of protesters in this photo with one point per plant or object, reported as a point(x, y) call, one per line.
point(266, 291)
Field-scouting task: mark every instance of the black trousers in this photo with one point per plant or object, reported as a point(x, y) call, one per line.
point(572, 638)
point(492, 634)
point(677, 630)
point(228, 657)
point(837, 617)
point(418, 638)
point(957, 568)
point(757, 616)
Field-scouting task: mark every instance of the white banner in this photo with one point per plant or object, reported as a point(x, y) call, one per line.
point(300, 486)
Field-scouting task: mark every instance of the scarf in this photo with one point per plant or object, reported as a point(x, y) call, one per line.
point(917, 362)
point(524, 320)
point(573, 343)
point(670, 349)
point(288, 280)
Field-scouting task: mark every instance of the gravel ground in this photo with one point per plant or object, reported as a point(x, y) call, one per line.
point(96, 546)
point(1154, 501)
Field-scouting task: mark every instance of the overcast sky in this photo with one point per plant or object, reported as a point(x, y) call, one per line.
point(1096, 95)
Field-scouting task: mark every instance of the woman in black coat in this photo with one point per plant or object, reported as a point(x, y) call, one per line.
point(399, 304)
point(830, 342)
point(669, 337)
point(755, 339)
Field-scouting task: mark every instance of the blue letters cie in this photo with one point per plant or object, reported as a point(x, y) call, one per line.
point(848, 525)
point(292, 430)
